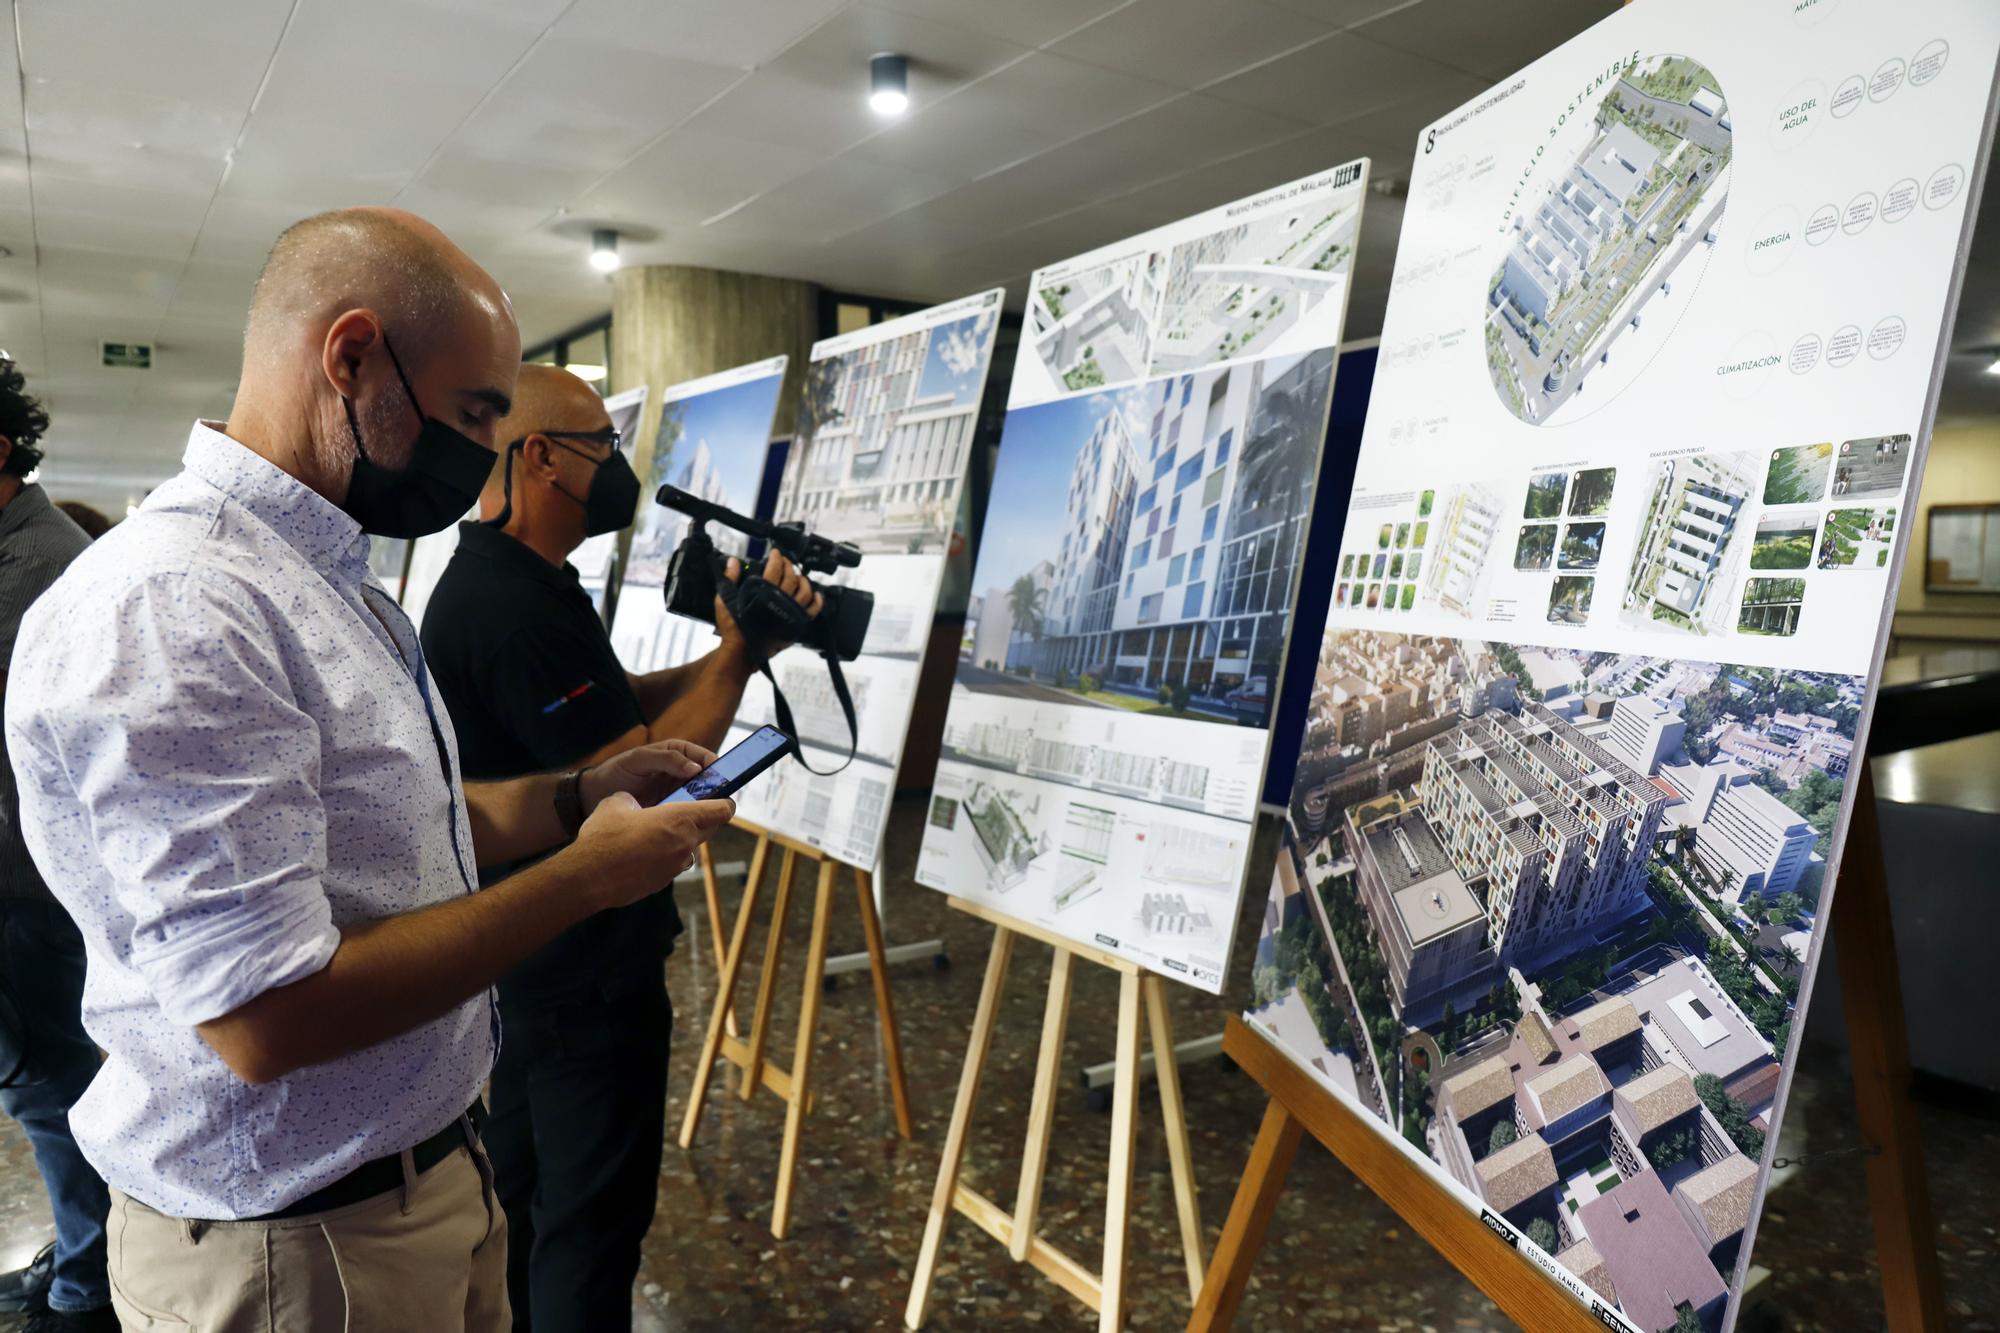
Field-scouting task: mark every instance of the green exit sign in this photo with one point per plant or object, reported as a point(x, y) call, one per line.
point(127, 356)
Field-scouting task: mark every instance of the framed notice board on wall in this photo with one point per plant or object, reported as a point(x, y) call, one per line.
point(1962, 548)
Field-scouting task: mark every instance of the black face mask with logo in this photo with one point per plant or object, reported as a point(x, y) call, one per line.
point(443, 479)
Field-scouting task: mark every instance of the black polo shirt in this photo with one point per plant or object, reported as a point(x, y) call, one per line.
point(526, 670)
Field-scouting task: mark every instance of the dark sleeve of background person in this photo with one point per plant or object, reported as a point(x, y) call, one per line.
point(92, 521)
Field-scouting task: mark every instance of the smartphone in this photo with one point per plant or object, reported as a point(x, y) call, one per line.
point(733, 771)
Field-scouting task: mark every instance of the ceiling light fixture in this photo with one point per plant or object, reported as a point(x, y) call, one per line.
point(1994, 369)
point(889, 84)
point(604, 250)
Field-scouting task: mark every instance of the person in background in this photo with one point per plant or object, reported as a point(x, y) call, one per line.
point(527, 672)
point(46, 1059)
point(234, 775)
point(94, 522)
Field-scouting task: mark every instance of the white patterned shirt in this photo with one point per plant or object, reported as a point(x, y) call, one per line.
point(227, 751)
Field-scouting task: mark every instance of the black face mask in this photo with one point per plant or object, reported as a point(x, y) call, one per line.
point(613, 496)
point(445, 474)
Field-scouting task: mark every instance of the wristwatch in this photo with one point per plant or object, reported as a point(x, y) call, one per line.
point(569, 802)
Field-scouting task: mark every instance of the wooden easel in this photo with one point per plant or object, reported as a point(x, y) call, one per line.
point(1905, 1232)
point(1138, 990)
point(792, 1086)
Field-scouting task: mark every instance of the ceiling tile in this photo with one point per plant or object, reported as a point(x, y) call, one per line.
point(834, 198)
point(1061, 98)
point(952, 140)
point(1341, 77)
point(691, 176)
point(814, 96)
point(721, 32)
point(82, 130)
point(1029, 22)
point(1190, 42)
point(212, 54)
point(587, 105)
point(388, 79)
point(1344, 13)
point(487, 191)
point(1490, 38)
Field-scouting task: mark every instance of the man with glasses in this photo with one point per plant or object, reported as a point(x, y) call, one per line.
point(527, 671)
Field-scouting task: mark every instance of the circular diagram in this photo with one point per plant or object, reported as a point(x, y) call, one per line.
point(1585, 292)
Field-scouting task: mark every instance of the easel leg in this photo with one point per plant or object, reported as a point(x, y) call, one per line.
point(767, 980)
point(1878, 1044)
point(1186, 1201)
point(961, 1119)
point(725, 997)
point(892, 1044)
point(1249, 1217)
point(795, 1112)
point(714, 897)
point(1124, 1144)
point(713, 892)
point(1042, 1109)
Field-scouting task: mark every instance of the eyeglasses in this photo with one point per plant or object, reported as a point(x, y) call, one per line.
point(609, 436)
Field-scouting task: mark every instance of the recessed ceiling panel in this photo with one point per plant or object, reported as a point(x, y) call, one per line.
point(1190, 42)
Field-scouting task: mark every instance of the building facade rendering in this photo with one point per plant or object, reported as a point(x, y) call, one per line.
point(1523, 836)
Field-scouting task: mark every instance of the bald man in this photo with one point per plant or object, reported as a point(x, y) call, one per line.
point(234, 774)
point(526, 669)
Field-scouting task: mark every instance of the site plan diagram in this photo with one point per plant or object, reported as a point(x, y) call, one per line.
point(885, 433)
point(1133, 595)
point(1655, 376)
point(1235, 286)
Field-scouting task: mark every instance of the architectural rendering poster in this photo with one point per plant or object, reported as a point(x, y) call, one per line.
point(1105, 744)
point(884, 435)
point(1655, 377)
point(714, 436)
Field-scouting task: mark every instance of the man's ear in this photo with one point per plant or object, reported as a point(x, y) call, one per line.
point(6, 450)
point(538, 457)
point(349, 338)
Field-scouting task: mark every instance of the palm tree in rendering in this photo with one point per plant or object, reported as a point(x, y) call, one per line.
point(1026, 602)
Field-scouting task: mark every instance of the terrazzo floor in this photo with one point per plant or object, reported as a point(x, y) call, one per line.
point(1337, 1258)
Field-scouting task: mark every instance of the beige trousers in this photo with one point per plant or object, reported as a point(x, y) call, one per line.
point(430, 1256)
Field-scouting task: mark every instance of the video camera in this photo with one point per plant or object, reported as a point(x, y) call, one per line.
point(762, 610)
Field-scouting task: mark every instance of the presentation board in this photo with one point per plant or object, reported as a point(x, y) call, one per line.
point(1658, 364)
point(885, 432)
point(1105, 741)
point(713, 436)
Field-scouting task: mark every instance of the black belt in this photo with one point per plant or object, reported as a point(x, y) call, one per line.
point(386, 1173)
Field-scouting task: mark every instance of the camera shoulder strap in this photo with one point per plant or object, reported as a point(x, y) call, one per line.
point(731, 594)
point(784, 711)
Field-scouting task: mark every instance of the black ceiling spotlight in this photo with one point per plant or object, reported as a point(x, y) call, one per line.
point(604, 250)
point(888, 84)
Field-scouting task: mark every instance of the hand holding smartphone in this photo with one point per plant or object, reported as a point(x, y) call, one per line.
point(734, 770)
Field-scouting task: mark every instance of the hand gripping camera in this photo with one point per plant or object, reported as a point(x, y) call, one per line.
point(762, 610)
